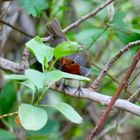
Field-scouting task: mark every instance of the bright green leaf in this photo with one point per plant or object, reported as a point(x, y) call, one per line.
point(15, 77)
point(124, 33)
point(30, 85)
point(53, 76)
point(118, 19)
point(8, 97)
point(37, 78)
point(65, 49)
point(56, 75)
point(32, 7)
point(68, 112)
point(32, 118)
point(41, 51)
point(51, 127)
point(88, 36)
point(74, 76)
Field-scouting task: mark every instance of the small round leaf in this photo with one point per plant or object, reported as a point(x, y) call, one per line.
point(31, 117)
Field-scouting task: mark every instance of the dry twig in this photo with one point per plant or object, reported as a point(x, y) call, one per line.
point(108, 65)
point(115, 96)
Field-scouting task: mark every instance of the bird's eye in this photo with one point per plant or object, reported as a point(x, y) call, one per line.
point(72, 62)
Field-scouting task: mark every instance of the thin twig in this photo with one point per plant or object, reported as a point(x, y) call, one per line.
point(82, 19)
point(108, 65)
point(111, 77)
point(15, 28)
point(109, 128)
point(115, 96)
point(6, 9)
point(7, 115)
point(134, 96)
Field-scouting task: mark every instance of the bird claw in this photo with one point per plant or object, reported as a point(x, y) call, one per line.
point(78, 91)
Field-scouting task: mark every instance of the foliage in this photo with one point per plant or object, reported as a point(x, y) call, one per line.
point(41, 109)
point(34, 8)
point(34, 118)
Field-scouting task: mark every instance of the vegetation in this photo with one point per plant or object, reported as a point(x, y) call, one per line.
point(40, 66)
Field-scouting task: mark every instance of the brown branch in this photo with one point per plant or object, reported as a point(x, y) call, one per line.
point(106, 68)
point(7, 115)
point(6, 64)
point(117, 93)
point(3, 1)
point(15, 28)
point(82, 19)
point(24, 59)
point(114, 79)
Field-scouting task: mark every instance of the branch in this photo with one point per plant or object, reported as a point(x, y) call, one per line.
point(89, 15)
point(7, 115)
point(96, 97)
point(24, 59)
point(82, 19)
point(3, 1)
point(108, 65)
point(15, 28)
point(102, 99)
point(6, 64)
point(110, 76)
point(44, 39)
point(117, 93)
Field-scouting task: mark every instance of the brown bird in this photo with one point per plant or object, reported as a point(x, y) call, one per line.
point(78, 63)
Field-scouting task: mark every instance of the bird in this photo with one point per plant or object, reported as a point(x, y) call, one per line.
point(78, 63)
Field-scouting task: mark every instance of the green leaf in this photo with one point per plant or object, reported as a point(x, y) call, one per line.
point(8, 97)
point(32, 7)
point(37, 78)
point(56, 75)
point(74, 76)
point(15, 77)
point(41, 51)
point(124, 33)
point(7, 135)
point(32, 118)
point(51, 127)
point(68, 112)
point(53, 76)
point(30, 85)
point(88, 36)
point(66, 48)
point(135, 121)
point(118, 20)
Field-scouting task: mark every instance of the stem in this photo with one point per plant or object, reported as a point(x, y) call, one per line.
point(52, 64)
point(117, 93)
point(7, 115)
